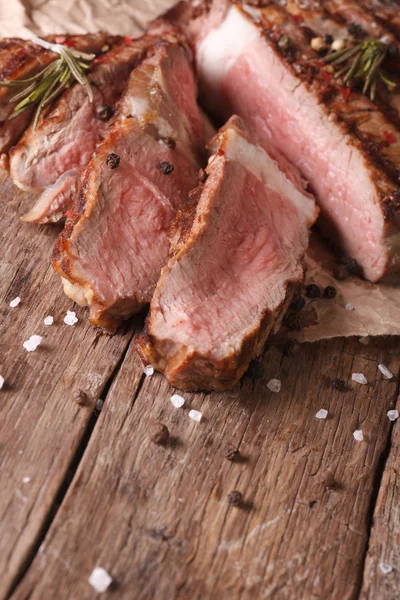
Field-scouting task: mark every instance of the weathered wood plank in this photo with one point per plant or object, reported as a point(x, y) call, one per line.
point(384, 543)
point(157, 518)
point(41, 425)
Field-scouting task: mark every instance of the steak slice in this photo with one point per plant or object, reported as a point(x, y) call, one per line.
point(258, 63)
point(67, 134)
point(115, 243)
point(21, 59)
point(236, 263)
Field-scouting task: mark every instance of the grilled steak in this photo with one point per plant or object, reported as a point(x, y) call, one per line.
point(49, 160)
point(21, 59)
point(236, 262)
point(259, 63)
point(114, 245)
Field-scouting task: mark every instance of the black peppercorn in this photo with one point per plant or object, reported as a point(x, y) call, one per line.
point(255, 370)
point(351, 265)
point(298, 304)
point(313, 291)
point(235, 498)
point(341, 273)
point(393, 52)
point(232, 453)
point(104, 112)
point(338, 384)
point(354, 29)
point(112, 160)
point(159, 433)
point(329, 292)
point(166, 167)
point(295, 321)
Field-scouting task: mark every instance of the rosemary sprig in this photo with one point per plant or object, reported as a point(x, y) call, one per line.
point(364, 62)
point(46, 85)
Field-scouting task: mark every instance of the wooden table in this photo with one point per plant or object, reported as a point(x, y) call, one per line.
point(83, 485)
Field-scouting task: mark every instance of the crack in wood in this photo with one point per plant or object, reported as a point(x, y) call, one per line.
point(374, 497)
point(75, 462)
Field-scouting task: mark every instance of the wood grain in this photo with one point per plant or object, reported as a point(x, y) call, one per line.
point(41, 425)
point(384, 548)
point(157, 518)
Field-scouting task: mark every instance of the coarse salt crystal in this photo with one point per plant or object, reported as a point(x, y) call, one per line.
point(321, 414)
point(15, 302)
point(385, 371)
point(349, 306)
point(359, 378)
point(148, 371)
point(358, 435)
point(99, 404)
point(2, 381)
point(48, 320)
point(26, 479)
point(70, 318)
point(385, 568)
point(33, 342)
point(195, 415)
point(177, 401)
point(100, 580)
point(274, 385)
point(393, 415)
point(364, 340)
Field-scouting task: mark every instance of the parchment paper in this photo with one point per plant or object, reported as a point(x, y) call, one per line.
point(376, 307)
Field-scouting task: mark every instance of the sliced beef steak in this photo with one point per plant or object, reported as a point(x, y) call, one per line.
point(49, 160)
point(113, 247)
point(21, 59)
point(258, 62)
point(236, 262)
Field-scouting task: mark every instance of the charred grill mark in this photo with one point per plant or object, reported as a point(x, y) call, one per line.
point(277, 22)
point(355, 13)
point(385, 20)
point(391, 207)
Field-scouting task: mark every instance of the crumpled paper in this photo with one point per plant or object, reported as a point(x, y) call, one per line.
point(376, 307)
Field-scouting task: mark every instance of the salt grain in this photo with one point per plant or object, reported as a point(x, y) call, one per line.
point(393, 415)
point(26, 479)
point(349, 306)
point(100, 580)
point(178, 401)
point(364, 340)
point(15, 302)
point(195, 415)
point(33, 342)
point(358, 435)
point(385, 372)
point(359, 378)
point(274, 385)
point(385, 568)
point(321, 414)
point(2, 381)
point(70, 318)
point(99, 404)
point(148, 371)
point(48, 320)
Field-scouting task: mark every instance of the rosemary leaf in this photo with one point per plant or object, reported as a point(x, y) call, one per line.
point(43, 87)
point(364, 61)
